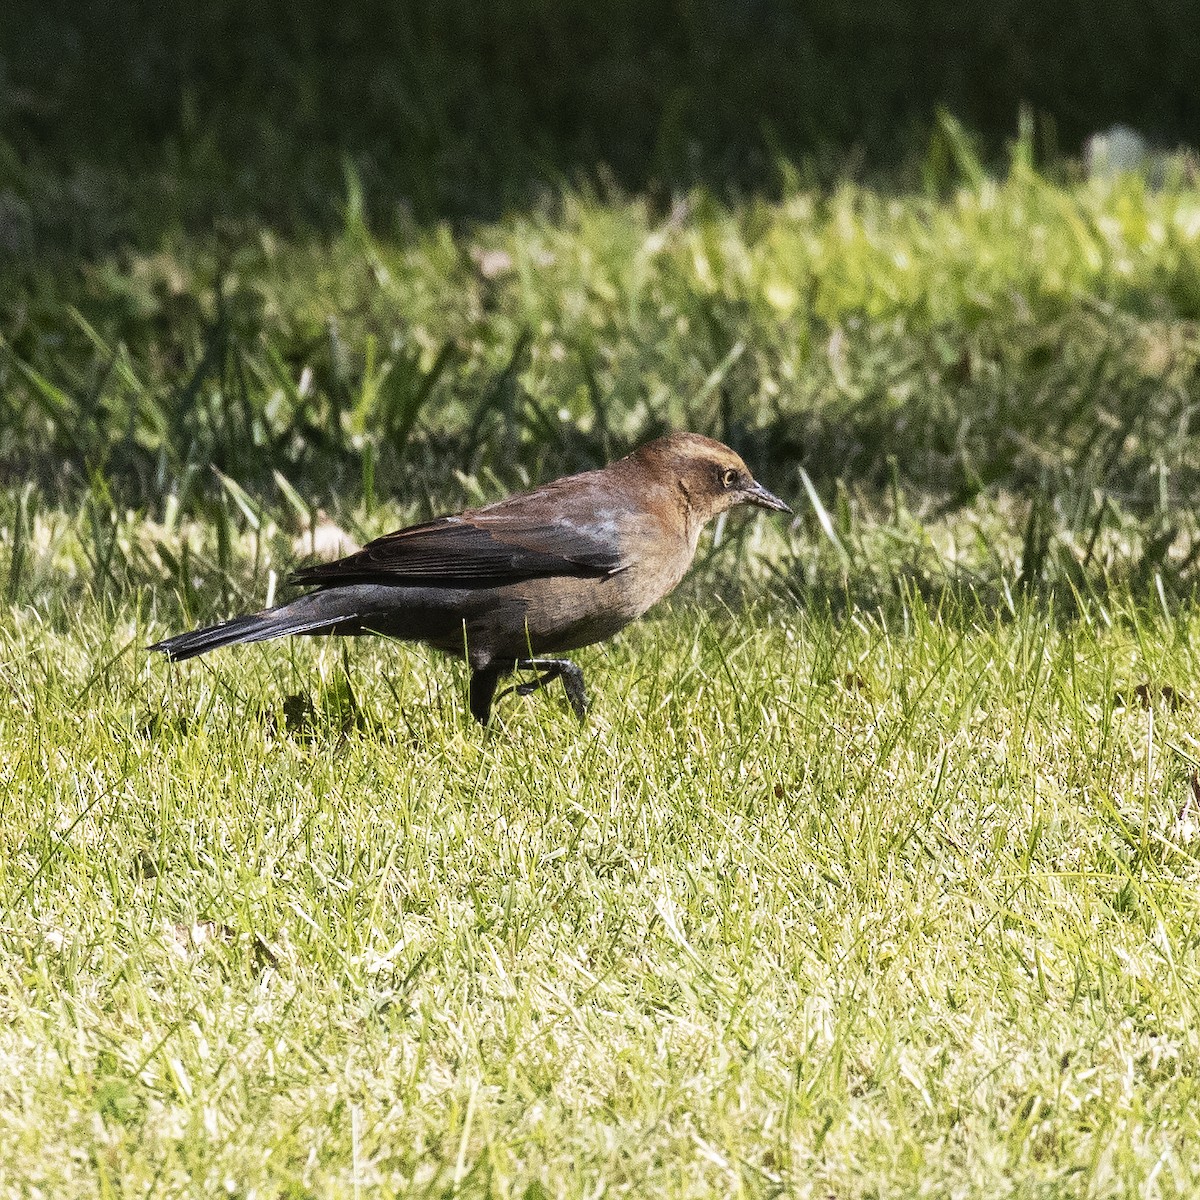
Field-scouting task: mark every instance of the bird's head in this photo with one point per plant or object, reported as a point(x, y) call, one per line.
point(708, 475)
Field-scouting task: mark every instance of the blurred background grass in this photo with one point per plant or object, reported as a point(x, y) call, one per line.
point(140, 116)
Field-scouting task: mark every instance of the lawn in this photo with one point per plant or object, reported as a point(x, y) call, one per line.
point(874, 870)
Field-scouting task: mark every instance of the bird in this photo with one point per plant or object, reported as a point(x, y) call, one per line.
point(512, 586)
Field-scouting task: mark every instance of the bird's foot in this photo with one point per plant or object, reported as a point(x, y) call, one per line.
point(553, 668)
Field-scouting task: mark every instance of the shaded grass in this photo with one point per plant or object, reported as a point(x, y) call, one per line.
point(1019, 330)
point(1021, 356)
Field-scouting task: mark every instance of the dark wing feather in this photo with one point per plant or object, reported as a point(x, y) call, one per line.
point(475, 551)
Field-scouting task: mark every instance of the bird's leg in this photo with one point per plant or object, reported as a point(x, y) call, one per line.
point(555, 668)
point(483, 689)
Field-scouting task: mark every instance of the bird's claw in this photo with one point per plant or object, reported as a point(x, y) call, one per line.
point(553, 668)
point(533, 685)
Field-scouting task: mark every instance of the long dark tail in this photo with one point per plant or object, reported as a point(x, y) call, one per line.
point(334, 611)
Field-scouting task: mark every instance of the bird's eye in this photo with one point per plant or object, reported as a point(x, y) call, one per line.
point(729, 478)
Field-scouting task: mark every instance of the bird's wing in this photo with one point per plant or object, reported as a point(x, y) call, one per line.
point(478, 550)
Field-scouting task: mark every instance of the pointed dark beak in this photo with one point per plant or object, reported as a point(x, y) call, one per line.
point(757, 494)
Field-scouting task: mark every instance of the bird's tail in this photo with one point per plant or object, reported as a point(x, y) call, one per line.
point(318, 612)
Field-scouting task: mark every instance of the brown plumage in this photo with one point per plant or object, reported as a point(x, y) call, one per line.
point(542, 572)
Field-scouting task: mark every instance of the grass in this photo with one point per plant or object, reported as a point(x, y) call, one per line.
point(874, 871)
point(844, 907)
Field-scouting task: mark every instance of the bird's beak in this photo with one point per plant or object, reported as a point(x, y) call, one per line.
point(757, 494)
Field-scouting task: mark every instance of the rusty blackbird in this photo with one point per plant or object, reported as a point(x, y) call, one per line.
point(511, 586)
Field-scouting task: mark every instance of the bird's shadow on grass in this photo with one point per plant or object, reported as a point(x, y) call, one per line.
point(331, 713)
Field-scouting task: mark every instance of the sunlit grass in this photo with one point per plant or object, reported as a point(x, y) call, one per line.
point(840, 907)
